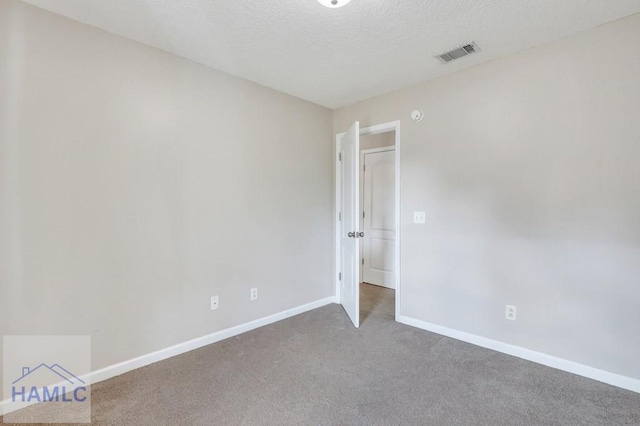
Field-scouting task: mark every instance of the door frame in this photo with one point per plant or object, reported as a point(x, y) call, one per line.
point(371, 130)
point(361, 190)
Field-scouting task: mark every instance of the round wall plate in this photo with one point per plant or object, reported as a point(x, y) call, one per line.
point(417, 115)
point(333, 3)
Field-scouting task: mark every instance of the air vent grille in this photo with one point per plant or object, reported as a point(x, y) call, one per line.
point(458, 53)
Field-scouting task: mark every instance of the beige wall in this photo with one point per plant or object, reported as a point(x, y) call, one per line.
point(378, 140)
point(134, 185)
point(528, 170)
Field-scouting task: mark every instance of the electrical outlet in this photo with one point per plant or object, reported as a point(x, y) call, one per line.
point(510, 313)
point(419, 217)
point(214, 303)
point(254, 293)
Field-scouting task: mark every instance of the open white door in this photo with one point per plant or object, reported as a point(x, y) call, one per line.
point(350, 223)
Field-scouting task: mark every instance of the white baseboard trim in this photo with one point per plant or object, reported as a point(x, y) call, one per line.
point(180, 348)
point(162, 354)
point(613, 379)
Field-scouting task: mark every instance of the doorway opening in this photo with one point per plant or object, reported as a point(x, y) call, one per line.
point(377, 221)
point(367, 221)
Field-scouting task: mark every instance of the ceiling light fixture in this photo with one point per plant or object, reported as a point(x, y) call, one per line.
point(333, 3)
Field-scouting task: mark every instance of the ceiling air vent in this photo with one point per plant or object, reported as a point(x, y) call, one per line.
point(458, 53)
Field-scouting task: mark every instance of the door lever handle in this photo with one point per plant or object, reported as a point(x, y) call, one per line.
point(351, 235)
point(360, 234)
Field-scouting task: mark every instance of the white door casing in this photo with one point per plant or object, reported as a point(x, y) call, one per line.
point(393, 126)
point(350, 223)
point(379, 222)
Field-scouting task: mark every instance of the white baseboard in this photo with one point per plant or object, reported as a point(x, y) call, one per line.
point(162, 354)
point(180, 348)
point(613, 379)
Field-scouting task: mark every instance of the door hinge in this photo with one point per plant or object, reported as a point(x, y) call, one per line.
point(364, 168)
point(363, 260)
point(363, 215)
point(339, 156)
point(340, 276)
point(340, 216)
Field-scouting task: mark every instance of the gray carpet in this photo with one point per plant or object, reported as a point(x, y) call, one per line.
point(316, 369)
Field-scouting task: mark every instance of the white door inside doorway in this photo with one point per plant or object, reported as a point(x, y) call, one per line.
point(378, 216)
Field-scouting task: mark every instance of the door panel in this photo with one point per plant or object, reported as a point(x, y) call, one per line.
point(379, 221)
point(350, 223)
point(382, 258)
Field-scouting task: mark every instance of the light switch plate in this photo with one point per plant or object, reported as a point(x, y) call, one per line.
point(419, 217)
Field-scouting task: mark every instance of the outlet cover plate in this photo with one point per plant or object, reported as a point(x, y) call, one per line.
point(510, 312)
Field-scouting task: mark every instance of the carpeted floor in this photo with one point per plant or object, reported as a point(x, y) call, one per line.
point(316, 369)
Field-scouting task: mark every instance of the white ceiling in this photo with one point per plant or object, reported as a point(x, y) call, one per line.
point(335, 57)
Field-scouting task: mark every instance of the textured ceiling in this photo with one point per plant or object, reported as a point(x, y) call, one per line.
point(335, 57)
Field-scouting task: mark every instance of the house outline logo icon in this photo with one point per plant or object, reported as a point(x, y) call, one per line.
point(56, 369)
point(68, 387)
